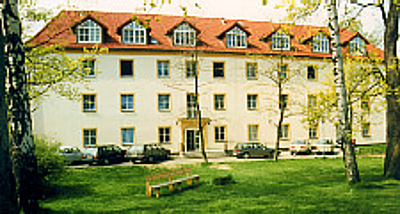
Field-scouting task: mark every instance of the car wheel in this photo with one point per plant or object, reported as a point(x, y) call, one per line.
point(246, 155)
point(151, 159)
point(292, 153)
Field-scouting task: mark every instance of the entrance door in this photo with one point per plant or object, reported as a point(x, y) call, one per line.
point(192, 140)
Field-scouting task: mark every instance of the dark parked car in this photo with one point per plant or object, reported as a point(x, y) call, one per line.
point(105, 154)
point(147, 153)
point(72, 154)
point(247, 150)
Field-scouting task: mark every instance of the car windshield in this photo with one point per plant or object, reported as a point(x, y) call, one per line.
point(299, 142)
point(138, 148)
point(91, 150)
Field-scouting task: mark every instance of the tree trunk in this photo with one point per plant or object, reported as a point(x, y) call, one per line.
point(8, 197)
point(343, 128)
point(25, 163)
point(282, 107)
point(392, 160)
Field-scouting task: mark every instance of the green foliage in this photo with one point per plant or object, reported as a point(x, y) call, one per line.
point(51, 165)
point(287, 186)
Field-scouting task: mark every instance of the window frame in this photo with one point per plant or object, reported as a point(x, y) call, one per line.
point(236, 38)
point(133, 102)
point(255, 64)
point(85, 110)
point(158, 68)
point(312, 96)
point(287, 100)
point(169, 102)
point(219, 77)
point(257, 133)
point(367, 100)
point(159, 134)
point(256, 102)
point(314, 127)
point(223, 107)
point(121, 68)
point(95, 137)
point(187, 62)
point(136, 29)
point(357, 46)
point(368, 134)
point(277, 36)
point(321, 44)
point(217, 133)
point(92, 68)
point(184, 35)
point(315, 68)
point(95, 28)
point(287, 131)
point(286, 76)
point(133, 137)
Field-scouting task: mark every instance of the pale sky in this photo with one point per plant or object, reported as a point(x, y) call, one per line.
point(230, 9)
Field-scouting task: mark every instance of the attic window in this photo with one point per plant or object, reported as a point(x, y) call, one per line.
point(280, 41)
point(89, 32)
point(357, 46)
point(184, 35)
point(320, 44)
point(134, 33)
point(236, 38)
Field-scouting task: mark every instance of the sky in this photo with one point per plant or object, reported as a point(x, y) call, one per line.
point(230, 9)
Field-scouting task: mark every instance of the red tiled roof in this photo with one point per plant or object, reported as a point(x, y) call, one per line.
point(59, 31)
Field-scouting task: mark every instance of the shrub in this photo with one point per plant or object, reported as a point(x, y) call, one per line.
point(50, 164)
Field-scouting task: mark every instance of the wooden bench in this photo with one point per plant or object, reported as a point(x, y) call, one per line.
point(170, 181)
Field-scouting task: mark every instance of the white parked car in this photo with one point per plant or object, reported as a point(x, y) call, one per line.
point(323, 146)
point(300, 146)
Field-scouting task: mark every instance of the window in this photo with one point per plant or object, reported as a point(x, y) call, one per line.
point(89, 137)
point(89, 102)
point(252, 102)
point(283, 101)
point(184, 35)
point(283, 72)
point(163, 68)
point(236, 38)
point(127, 102)
point(134, 33)
point(89, 32)
point(126, 68)
point(285, 132)
point(164, 134)
point(313, 132)
point(218, 69)
point(320, 44)
point(191, 105)
point(365, 104)
point(220, 133)
point(219, 101)
point(357, 46)
point(312, 101)
point(252, 132)
point(88, 68)
point(191, 69)
point(280, 41)
point(311, 72)
point(251, 70)
point(164, 102)
point(366, 129)
point(128, 135)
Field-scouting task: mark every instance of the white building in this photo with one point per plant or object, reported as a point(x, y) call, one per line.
point(142, 90)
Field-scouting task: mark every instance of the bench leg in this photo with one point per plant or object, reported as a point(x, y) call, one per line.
point(198, 181)
point(190, 181)
point(171, 187)
point(148, 192)
point(158, 192)
point(180, 186)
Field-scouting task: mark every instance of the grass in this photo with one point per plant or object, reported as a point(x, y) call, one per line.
point(288, 186)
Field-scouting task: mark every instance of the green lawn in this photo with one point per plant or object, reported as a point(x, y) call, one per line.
point(289, 186)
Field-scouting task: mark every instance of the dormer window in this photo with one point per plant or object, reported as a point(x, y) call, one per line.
point(236, 38)
point(134, 33)
point(89, 32)
point(357, 46)
point(184, 35)
point(280, 41)
point(320, 44)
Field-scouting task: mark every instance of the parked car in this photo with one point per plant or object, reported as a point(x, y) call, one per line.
point(105, 154)
point(72, 154)
point(147, 153)
point(324, 145)
point(300, 146)
point(247, 150)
